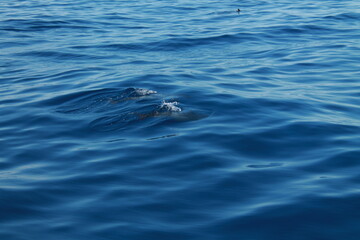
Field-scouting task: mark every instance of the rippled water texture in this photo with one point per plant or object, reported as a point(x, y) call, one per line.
point(144, 120)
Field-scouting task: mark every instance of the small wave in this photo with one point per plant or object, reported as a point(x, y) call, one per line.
point(100, 100)
point(33, 25)
point(59, 55)
point(344, 16)
point(265, 165)
point(181, 42)
point(174, 43)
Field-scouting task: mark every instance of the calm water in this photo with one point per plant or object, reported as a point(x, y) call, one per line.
point(144, 120)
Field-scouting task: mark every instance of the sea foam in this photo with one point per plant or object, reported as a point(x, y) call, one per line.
point(170, 106)
point(144, 92)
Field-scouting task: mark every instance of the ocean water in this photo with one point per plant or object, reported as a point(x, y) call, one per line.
point(142, 120)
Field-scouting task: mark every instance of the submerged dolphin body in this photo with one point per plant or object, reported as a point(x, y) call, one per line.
point(177, 116)
point(171, 109)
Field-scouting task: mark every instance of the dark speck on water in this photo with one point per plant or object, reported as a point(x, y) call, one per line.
point(179, 120)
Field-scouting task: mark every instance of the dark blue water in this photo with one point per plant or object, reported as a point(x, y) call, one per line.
point(143, 120)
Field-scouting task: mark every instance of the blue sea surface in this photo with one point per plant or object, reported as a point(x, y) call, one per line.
point(151, 120)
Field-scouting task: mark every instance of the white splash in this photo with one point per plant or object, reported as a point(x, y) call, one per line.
point(170, 106)
point(144, 92)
